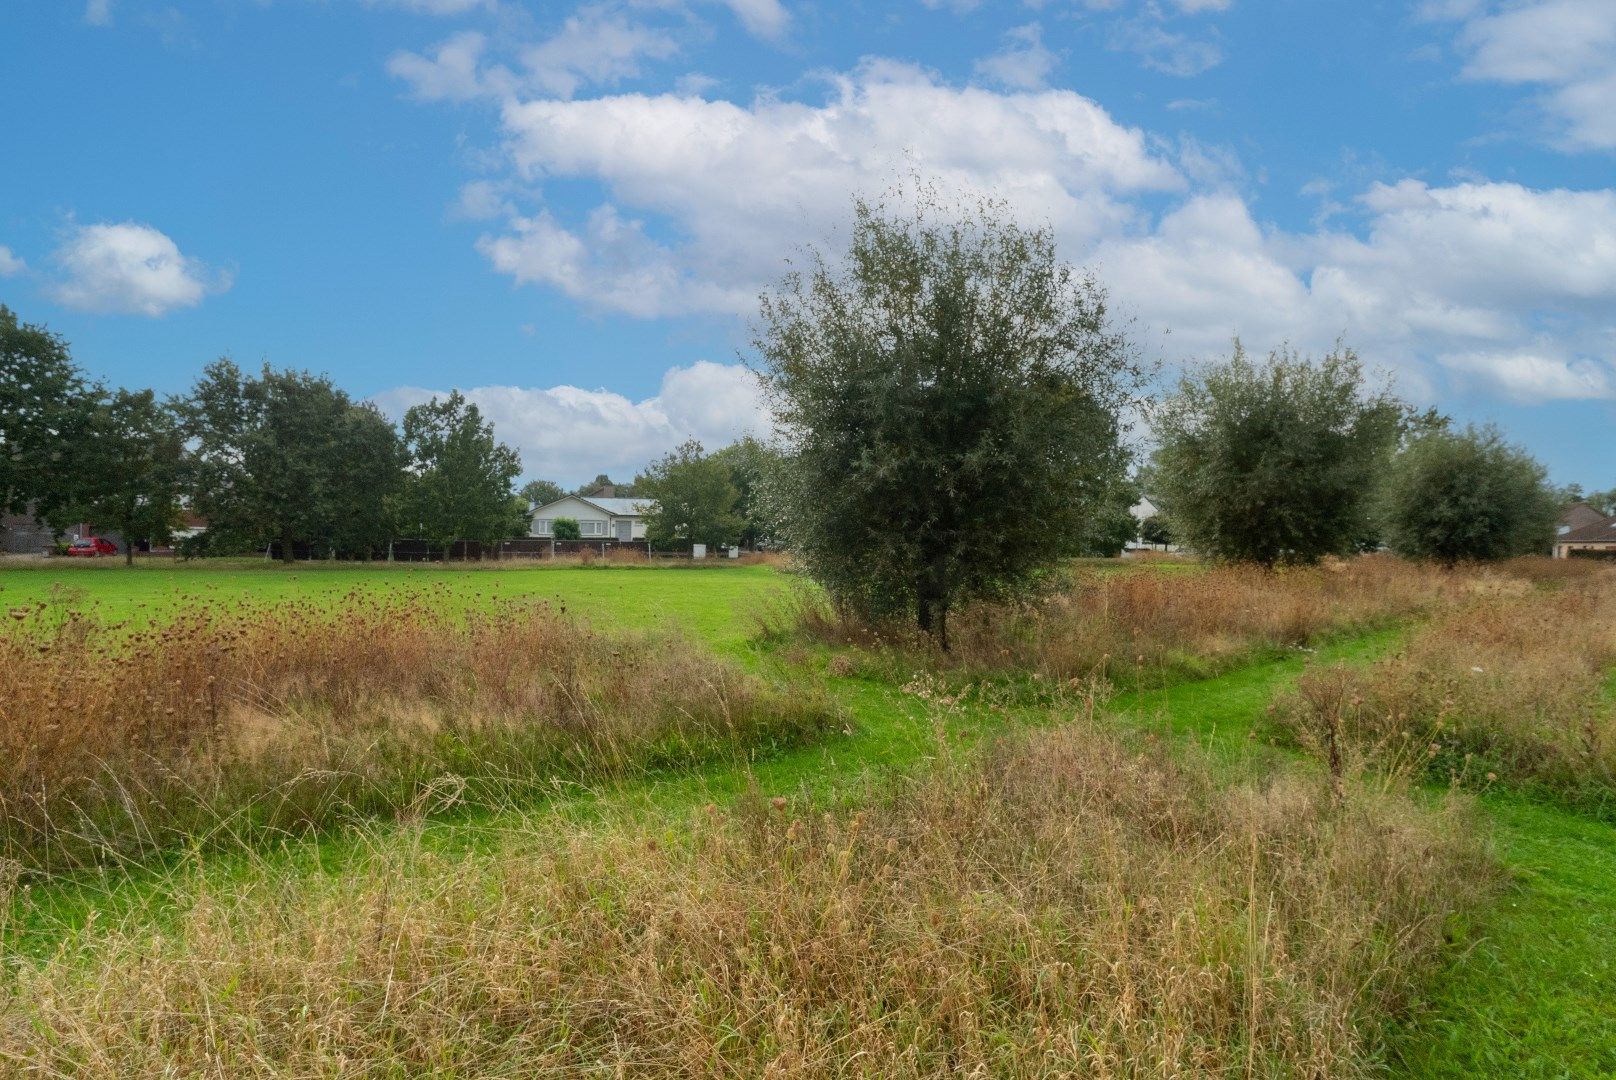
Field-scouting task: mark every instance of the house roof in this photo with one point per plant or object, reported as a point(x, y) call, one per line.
point(614, 507)
point(1580, 515)
point(1603, 532)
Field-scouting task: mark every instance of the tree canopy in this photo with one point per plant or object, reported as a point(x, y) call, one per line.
point(132, 461)
point(460, 477)
point(695, 499)
point(46, 409)
point(1463, 495)
point(1273, 462)
point(288, 457)
point(948, 393)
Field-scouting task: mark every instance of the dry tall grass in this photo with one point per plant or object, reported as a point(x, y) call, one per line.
point(1059, 906)
point(1509, 687)
point(1142, 624)
point(244, 718)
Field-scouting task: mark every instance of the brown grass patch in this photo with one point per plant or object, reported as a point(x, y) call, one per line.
point(1061, 905)
point(245, 718)
point(1132, 625)
point(1508, 687)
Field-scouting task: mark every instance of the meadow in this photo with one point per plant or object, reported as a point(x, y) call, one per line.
point(1165, 821)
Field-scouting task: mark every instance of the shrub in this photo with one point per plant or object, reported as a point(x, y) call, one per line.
point(565, 529)
point(1469, 495)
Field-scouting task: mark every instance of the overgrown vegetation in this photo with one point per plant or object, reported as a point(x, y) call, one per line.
point(1146, 624)
point(1508, 688)
point(1059, 903)
point(237, 719)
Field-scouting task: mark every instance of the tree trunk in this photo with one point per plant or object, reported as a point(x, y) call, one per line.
point(286, 547)
point(128, 551)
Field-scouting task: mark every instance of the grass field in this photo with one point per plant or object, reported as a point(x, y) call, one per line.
point(1525, 989)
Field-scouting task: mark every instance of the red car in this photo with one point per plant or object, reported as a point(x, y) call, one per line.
point(92, 547)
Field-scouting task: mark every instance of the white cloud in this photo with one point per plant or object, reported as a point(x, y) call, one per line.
point(98, 12)
point(1024, 63)
point(742, 186)
point(1496, 287)
point(129, 269)
point(569, 433)
point(1566, 47)
point(594, 46)
point(434, 7)
point(10, 264)
point(1166, 51)
point(1530, 378)
point(764, 18)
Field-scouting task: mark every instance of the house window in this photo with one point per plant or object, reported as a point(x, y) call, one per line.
point(591, 528)
point(543, 526)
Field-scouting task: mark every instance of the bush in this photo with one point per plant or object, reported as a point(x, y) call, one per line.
point(1453, 496)
point(565, 529)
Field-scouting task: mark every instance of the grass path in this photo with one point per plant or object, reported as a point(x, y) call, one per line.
point(1532, 994)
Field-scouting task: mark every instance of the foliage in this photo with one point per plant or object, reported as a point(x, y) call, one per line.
point(45, 413)
point(542, 492)
point(132, 460)
point(948, 394)
point(750, 463)
point(1113, 527)
point(459, 482)
point(288, 457)
point(695, 499)
point(1155, 531)
point(1602, 501)
point(616, 490)
point(1468, 494)
point(1273, 462)
point(565, 528)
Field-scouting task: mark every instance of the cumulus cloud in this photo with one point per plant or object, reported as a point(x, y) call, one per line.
point(129, 269)
point(571, 434)
point(765, 18)
point(10, 264)
point(742, 186)
point(702, 200)
point(1024, 63)
point(1566, 47)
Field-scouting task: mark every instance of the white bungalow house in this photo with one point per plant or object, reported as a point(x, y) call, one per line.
point(598, 518)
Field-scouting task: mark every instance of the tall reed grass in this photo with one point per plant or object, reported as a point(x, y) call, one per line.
point(1515, 686)
point(1058, 905)
point(232, 719)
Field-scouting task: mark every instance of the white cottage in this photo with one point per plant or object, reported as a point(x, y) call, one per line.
point(598, 518)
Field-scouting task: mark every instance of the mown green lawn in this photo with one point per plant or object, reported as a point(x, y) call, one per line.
point(716, 602)
point(1530, 990)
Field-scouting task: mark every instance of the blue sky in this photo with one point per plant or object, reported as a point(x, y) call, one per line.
point(568, 209)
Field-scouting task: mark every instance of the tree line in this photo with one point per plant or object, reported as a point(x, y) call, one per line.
point(280, 458)
point(955, 411)
point(286, 459)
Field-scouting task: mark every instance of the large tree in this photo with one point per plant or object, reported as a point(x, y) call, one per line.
point(540, 492)
point(290, 458)
point(751, 462)
point(695, 498)
point(132, 460)
point(46, 408)
point(1466, 495)
point(461, 477)
point(1273, 462)
point(948, 392)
